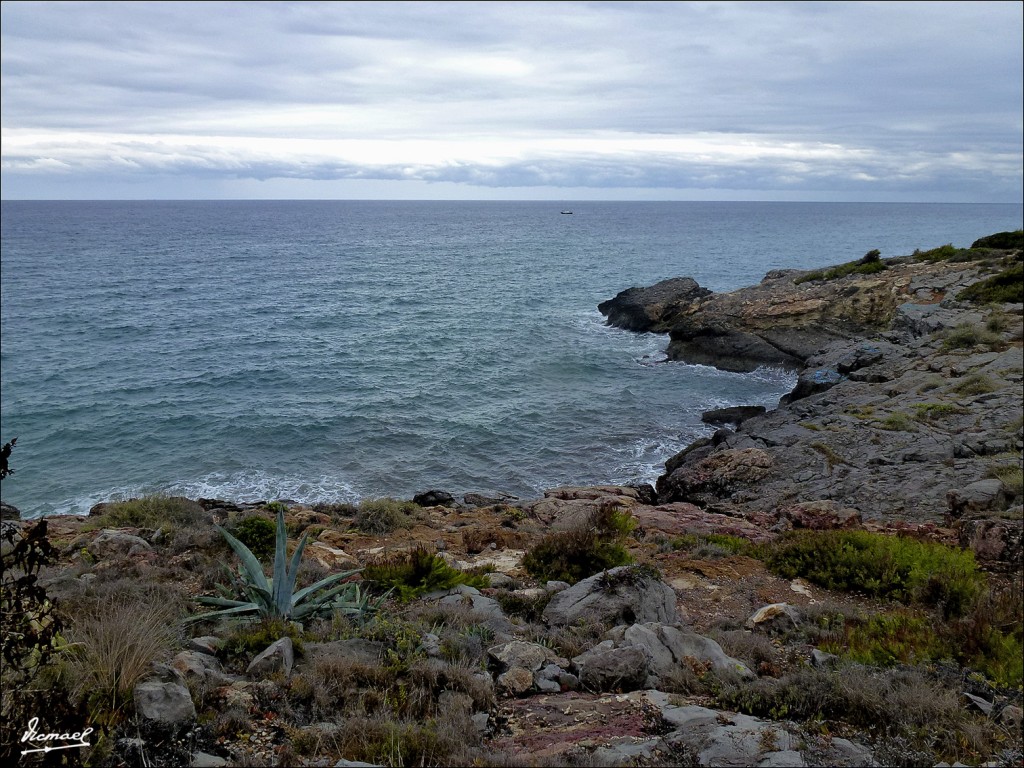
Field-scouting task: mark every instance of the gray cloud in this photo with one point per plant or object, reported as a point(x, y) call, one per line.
point(922, 97)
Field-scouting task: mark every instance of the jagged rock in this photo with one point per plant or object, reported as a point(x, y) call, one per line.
point(277, 657)
point(355, 649)
point(208, 644)
point(518, 653)
point(487, 609)
point(823, 660)
point(591, 492)
point(435, 498)
point(774, 617)
point(737, 414)
point(607, 668)
point(330, 557)
point(618, 596)
point(823, 514)
point(200, 666)
point(999, 544)
point(488, 499)
point(982, 496)
point(645, 309)
point(516, 681)
point(113, 542)
point(719, 474)
point(9, 512)
point(668, 648)
point(681, 517)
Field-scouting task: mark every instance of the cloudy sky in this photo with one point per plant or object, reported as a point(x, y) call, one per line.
point(918, 101)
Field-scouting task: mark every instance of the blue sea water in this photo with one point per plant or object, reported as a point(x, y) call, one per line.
point(337, 350)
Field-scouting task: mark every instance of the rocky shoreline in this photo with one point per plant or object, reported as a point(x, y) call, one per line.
point(685, 643)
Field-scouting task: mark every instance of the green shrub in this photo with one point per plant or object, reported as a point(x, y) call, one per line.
point(246, 640)
point(576, 554)
point(418, 572)
point(942, 253)
point(380, 516)
point(258, 534)
point(1006, 287)
point(880, 566)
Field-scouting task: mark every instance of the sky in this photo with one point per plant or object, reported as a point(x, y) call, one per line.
point(834, 101)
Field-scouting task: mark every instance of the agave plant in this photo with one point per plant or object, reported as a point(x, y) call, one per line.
point(276, 598)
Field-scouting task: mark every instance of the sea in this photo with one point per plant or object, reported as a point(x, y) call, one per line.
point(342, 350)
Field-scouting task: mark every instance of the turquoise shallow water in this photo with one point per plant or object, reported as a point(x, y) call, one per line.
point(339, 350)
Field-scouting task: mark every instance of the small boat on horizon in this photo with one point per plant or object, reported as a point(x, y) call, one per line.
point(567, 213)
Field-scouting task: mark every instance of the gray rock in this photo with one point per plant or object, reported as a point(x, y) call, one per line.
point(618, 596)
point(516, 681)
point(606, 668)
point(530, 656)
point(981, 496)
point(9, 512)
point(118, 543)
point(668, 649)
point(435, 498)
point(164, 702)
point(205, 760)
point(208, 644)
point(201, 666)
point(486, 608)
point(645, 309)
point(774, 617)
point(279, 656)
point(735, 415)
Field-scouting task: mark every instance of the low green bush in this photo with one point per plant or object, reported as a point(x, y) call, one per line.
point(869, 264)
point(417, 572)
point(975, 384)
point(380, 516)
point(933, 411)
point(574, 555)
point(258, 534)
point(710, 545)
point(895, 567)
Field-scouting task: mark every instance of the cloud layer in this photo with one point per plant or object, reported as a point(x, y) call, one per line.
point(815, 100)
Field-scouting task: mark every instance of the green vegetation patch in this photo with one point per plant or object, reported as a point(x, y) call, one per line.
point(417, 572)
point(967, 336)
point(897, 421)
point(934, 411)
point(1004, 240)
point(975, 384)
point(895, 567)
point(1006, 287)
point(574, 555)
point(258, 534)
point(869, 264)
point(155, 511)
point(711, 545)
point(380, 516)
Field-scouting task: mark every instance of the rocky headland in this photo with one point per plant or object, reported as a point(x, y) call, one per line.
point(836, 581)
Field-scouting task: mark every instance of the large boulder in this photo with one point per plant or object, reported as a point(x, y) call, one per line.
point(647, 309)
point(716, 476)
point(623, 595)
